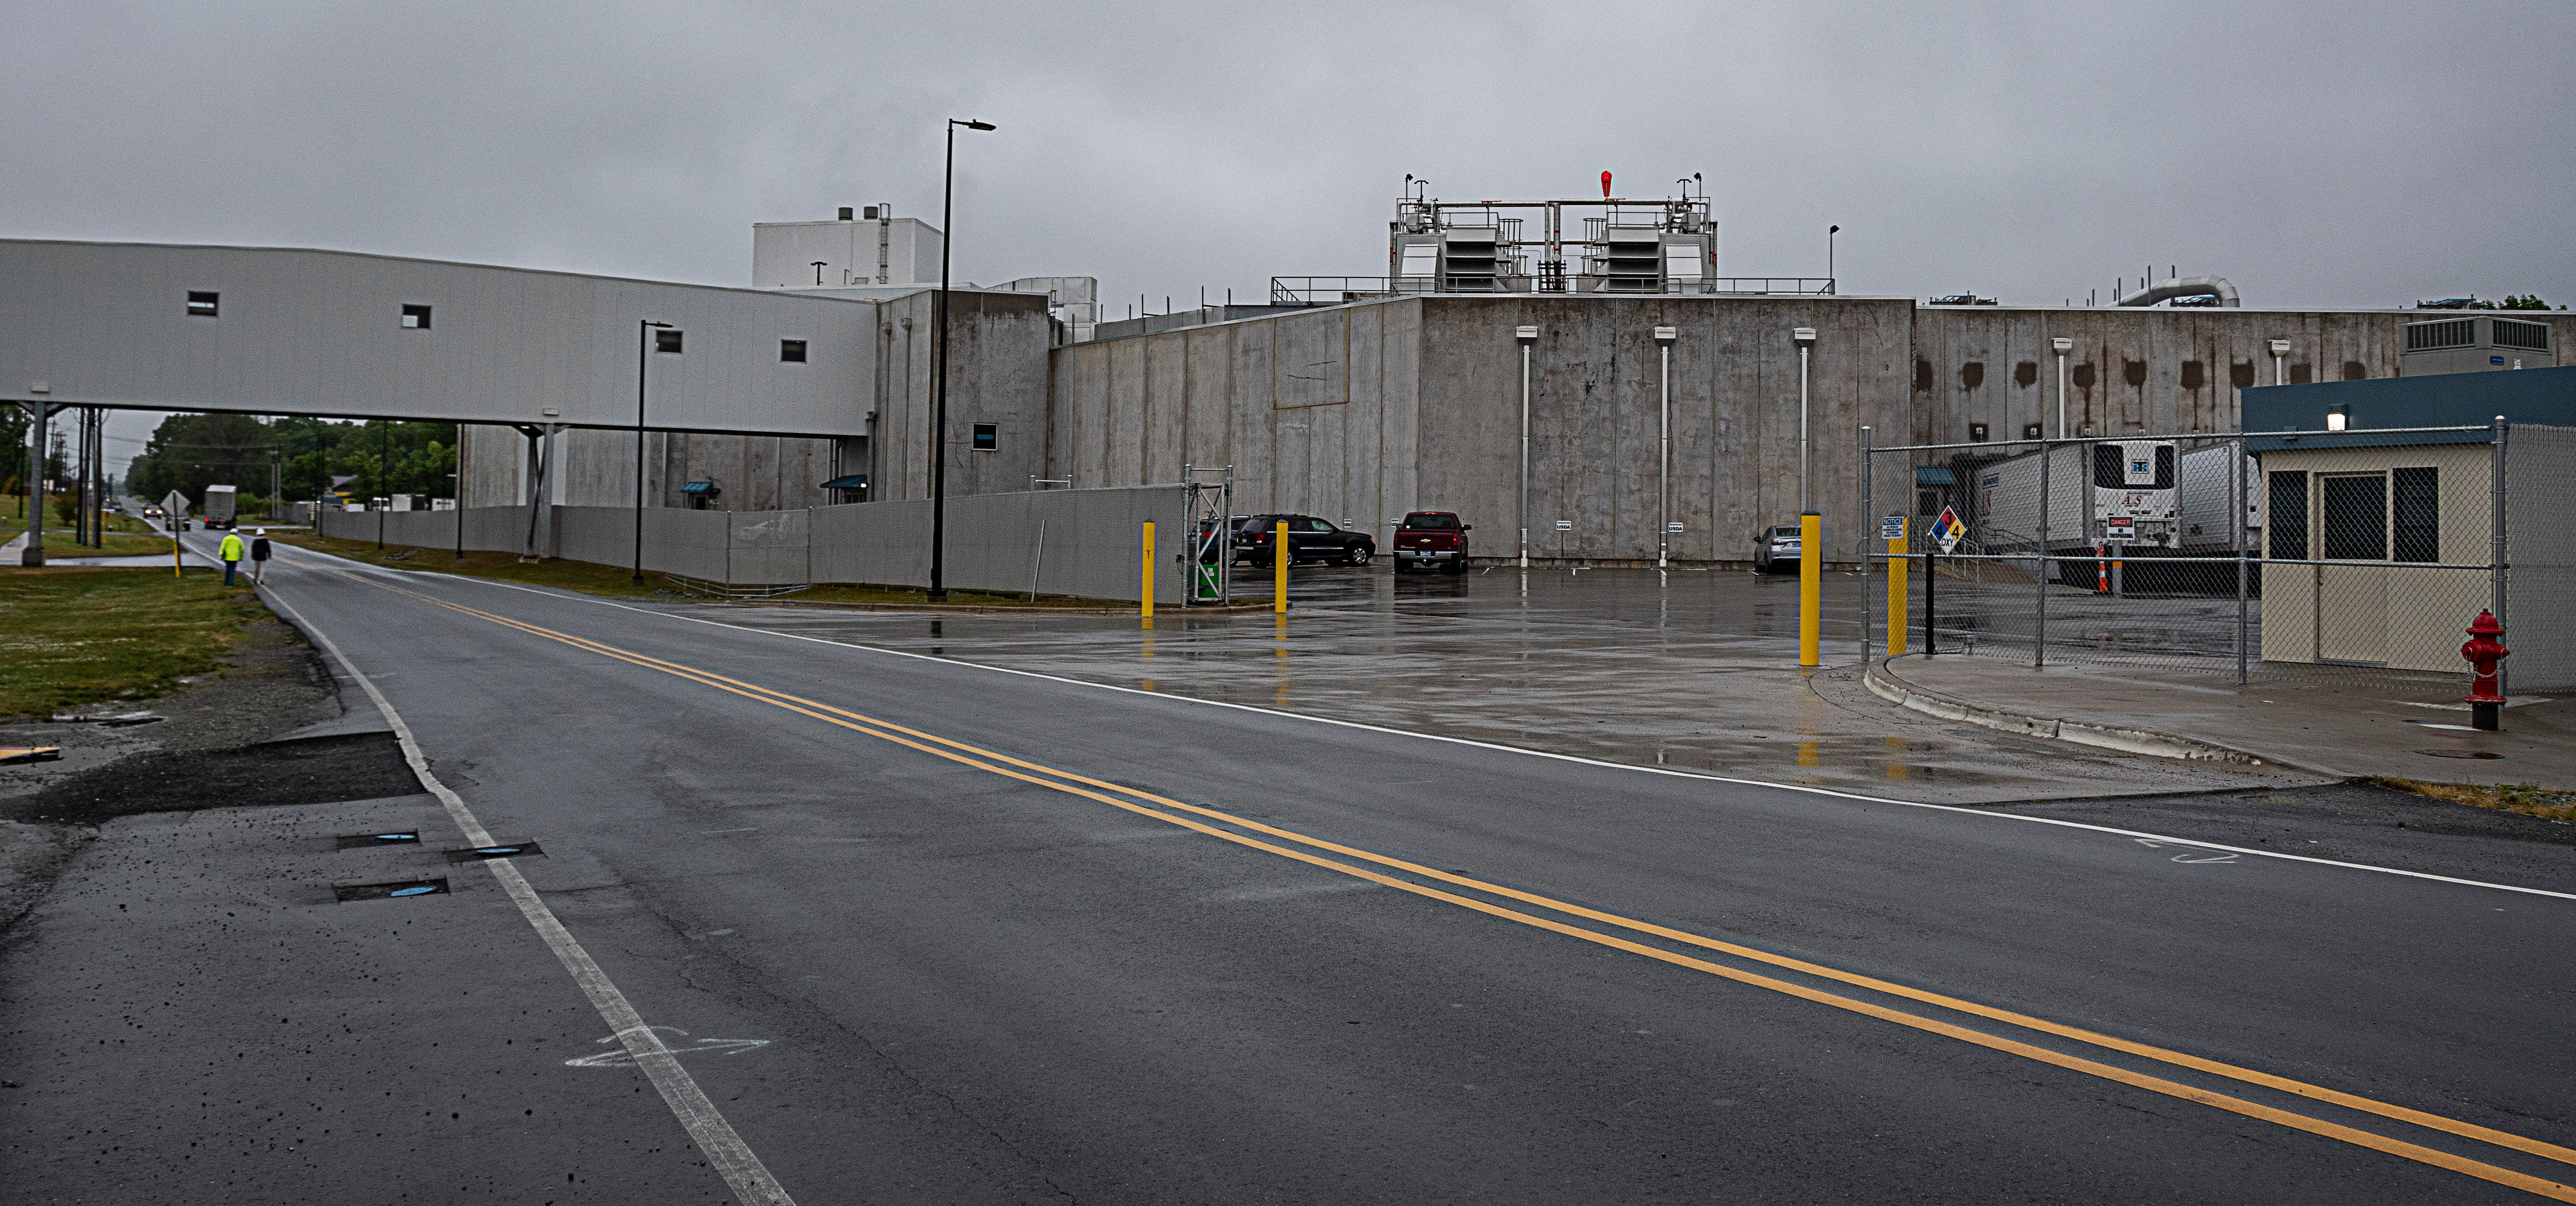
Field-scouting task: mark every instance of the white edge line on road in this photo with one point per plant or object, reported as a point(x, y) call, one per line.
point(706, 1125)
point(1514, 749)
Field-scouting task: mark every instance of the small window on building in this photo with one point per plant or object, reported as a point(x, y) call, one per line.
point(2356, 518)
point(791, 351)
point(988, 436)
point(667, 340)
point(1976, 433)
point(202, 305)
point(2418, 513)
point(415, 318)
point(2285, 512)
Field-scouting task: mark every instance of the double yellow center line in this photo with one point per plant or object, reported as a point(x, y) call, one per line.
point(1405, 876)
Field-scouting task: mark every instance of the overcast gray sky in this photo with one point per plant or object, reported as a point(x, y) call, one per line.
point(2328, 154)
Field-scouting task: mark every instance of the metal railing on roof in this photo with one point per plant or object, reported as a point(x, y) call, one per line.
point(1333, 290)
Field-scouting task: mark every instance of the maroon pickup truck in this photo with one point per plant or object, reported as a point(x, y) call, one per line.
point(1431, 538)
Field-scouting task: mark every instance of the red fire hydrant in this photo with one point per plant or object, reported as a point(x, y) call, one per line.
point(2483, 651)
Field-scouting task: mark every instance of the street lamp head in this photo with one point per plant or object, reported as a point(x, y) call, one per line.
point(650, 323)
point(1806, 336)
point(2280, 347)
point(2062, 344)
point(1833, 230)
point(1526, 334)
point(970, 123)
point(1667, 334)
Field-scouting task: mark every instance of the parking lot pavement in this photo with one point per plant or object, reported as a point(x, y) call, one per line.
point(1693, 669)
point(2349, 720)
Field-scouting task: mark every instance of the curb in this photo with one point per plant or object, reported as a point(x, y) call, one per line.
point(1884, 684)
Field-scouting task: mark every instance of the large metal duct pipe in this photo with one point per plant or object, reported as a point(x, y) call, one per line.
point(2190, 286)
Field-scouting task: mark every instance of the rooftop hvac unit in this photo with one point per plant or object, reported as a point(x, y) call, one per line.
point(2472, 345)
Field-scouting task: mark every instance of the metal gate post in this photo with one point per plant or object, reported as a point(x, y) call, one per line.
point(2039, 631)
point(2239, 498)
point(2496, 567)
point(1868, 516)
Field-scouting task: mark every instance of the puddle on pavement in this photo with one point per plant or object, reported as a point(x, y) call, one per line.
point(390, 837)
point(479, 854)
point(400, 889)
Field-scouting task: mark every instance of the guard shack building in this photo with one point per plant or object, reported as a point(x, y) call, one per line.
point(2383, 502)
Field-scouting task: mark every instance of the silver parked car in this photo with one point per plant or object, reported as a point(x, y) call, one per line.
point(1776, 549)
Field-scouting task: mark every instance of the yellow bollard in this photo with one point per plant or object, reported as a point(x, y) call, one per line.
point(1811, 587)
point(1896, 593)
point(1279, 569)
point(1149, 569)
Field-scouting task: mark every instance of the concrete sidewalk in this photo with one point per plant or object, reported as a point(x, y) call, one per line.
point(2340, 721)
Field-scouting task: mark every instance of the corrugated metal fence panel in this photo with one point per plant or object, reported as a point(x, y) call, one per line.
point(496, 529)
point(690, 543)
point(599, 535)
point(885, 544)
point(770, 548)
point(1093, 541)
point(2540, 585)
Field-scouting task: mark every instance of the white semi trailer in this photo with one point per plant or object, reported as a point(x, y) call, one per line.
point(2112, 491)
point(2204, 493)
point(219, 508)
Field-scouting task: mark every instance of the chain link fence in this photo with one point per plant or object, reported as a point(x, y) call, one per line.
point(2242, 555)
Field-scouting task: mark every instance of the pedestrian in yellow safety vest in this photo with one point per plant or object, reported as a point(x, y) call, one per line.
point(231, 553)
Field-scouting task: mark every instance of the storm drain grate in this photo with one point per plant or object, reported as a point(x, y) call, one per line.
point(478, 854)
point(395, 890)
point(353, 841)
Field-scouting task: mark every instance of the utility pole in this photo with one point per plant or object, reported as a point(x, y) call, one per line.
point(1664, 337)
point(1527, 335)
point(939, 374)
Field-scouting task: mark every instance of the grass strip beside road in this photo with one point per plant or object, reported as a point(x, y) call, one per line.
point(2531, 800)
point(72, 636)
point(617, 581)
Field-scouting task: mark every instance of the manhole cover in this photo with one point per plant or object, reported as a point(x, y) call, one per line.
point(2460, 753)
point(396, 890)
point(477, 854)
point(407, 837)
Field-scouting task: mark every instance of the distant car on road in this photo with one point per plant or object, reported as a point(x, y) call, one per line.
point(1432, 538)
point(1777, 549)
point(1309, 539)
point(2450, 303)
point(2205, 300)
point(1960, 299)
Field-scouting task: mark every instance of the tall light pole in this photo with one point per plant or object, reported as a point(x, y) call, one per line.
point(1664, 337)
point(2061, 345)
point(1528, 335)
point(2280, 366)
point(939, 379)
point(644, 329)
point(1806, 340)
point(1831, 285)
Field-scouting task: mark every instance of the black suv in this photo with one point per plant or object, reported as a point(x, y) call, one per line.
point(1309, 539)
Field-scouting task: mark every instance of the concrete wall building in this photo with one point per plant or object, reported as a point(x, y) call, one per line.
point(870, 247)
point(1367, 410)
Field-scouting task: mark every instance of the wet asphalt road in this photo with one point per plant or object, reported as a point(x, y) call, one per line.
point(906, 977)
point(1690, 669)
